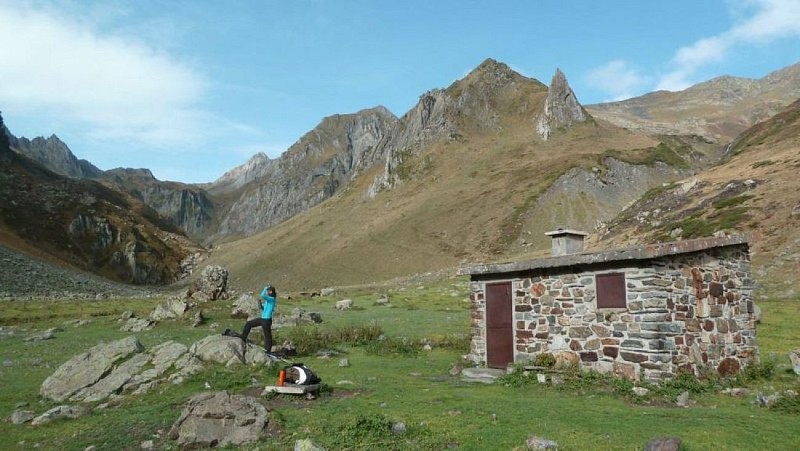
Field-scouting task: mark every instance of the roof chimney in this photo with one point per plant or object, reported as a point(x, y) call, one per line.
point(567, 241)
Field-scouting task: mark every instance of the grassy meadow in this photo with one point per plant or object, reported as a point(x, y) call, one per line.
point(389, 379)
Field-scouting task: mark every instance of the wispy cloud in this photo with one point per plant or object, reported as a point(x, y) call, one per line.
point(117, 87)
point(619, 78)
point(772, 20)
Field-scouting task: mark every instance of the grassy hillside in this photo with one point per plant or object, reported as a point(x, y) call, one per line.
point(389, 380)
point(461, 201)
point(755, 191)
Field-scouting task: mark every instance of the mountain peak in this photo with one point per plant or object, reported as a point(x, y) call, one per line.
point(561, 108)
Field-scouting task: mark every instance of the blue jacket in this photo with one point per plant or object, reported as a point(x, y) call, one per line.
point(269, 304)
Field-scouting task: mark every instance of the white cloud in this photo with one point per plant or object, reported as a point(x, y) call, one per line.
point(119, 87)
point(773, 19)
point(618, 78)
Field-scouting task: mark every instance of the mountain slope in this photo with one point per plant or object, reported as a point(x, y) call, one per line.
point(755, 191)
point(321, 163)
point(85, 224)
point(718, 109)
point(473, 182)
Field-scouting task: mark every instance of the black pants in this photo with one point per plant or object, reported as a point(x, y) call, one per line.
point(266, 327)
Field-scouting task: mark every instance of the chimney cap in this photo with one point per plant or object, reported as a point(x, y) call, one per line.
point(562, 231)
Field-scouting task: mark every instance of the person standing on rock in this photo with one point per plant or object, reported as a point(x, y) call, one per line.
point(269, 299)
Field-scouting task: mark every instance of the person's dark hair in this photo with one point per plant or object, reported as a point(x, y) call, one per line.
point(272, 289)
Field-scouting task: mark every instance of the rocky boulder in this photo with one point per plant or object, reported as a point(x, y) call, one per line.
point(87, 368)
point(173, 307)
point(214, 282)
point(219, 419)
point(246, 307)
point(228, 351)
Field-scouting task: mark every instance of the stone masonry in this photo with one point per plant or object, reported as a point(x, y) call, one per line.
point(689, 308)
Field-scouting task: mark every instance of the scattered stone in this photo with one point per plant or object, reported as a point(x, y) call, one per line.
point(794, 356)
point(345, 382)
point(43, 335)
point(344, 304)
point(344, 363)
point(126, 315)
point(683, 399)
point(300, 316)
point(7, 362)
point(198, 319)
point(383, 300)
point(147, 444)
point(663, 444)
point(540, 443)
point(482, 375)
point(77, 322)
point(736, 392)
point(307, 444)
point(21, 416)
point(220, 419)
point(456, 369)
point(640, 391)
point(71, 412)
point(427, 347)
point(327, 292)
point(138, 325)
point(756, 313)
point(399, 428)
point(541, 378)
point(87, 368)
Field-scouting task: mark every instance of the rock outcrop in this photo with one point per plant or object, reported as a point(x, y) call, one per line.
point(86, 369)
point(54, 154)
point(219, 419)
point(561, 109)
point(314, 168)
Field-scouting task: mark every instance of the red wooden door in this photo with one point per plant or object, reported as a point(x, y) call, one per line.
point(499, 331)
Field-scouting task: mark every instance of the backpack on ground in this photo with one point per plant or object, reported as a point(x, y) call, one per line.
point(300, 374)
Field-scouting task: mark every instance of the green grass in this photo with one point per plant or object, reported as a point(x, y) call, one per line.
point(382, 386)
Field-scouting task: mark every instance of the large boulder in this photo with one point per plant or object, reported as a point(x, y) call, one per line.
point(87, 368)
point(246, 307)
point(228, 351)
point(173, 307)
point(219, 419)
point(214, 282)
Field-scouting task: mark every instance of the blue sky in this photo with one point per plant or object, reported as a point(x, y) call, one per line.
point(191, 89)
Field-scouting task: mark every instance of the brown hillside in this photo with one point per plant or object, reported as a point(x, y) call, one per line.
point(756, 191)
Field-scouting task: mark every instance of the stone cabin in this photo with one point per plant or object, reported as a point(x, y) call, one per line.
point(640, 312)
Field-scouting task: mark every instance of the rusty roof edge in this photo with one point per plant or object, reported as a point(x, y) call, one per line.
point(644, 252)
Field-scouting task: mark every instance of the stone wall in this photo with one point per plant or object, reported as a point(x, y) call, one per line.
point(685, 312)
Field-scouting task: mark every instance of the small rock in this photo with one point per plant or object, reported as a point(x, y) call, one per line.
point(147, 444)
point(344, 363)
point(21, 416)
point(307, 444)
point(541, 443)
point(640, 391)
point(683, 399)
point(345, 382)
point(398, 428)
point(344, 304)
point(794, 356)
point(456, 369)
point(327, 292)
point(663, 444)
